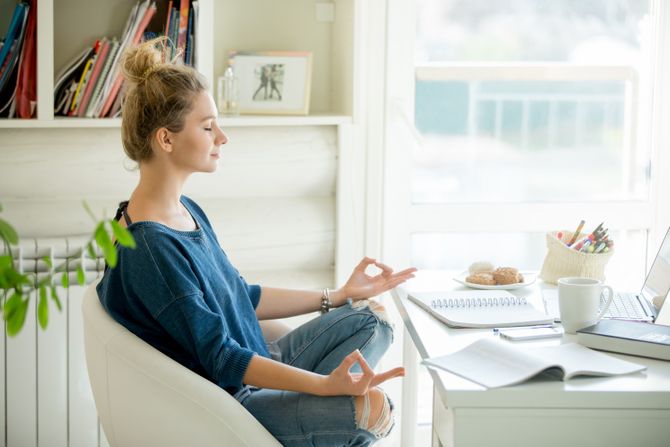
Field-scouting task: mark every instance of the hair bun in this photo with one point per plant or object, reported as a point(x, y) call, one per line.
point(139, 62)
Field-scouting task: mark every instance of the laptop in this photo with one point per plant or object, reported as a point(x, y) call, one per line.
point(641, 306)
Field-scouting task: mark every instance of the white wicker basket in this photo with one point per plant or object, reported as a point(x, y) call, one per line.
point(562, 261)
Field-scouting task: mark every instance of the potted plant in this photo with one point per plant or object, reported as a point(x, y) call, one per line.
point(16, 288)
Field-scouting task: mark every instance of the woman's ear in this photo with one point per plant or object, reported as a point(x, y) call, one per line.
point(163, 139)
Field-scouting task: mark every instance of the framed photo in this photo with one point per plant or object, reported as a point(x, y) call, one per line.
point(273, 82)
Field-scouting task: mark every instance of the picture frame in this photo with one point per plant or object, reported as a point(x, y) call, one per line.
point(273, 82)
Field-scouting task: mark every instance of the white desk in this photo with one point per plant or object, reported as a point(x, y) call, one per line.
point(630, 410)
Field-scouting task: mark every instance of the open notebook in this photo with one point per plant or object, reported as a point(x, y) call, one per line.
point(495, 363)
point(480, 308)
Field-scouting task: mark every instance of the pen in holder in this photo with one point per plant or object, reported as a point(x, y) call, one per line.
point(563, 261)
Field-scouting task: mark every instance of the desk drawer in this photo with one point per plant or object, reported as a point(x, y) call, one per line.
point(551, 427)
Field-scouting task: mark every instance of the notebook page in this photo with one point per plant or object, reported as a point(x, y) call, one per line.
point(579, 360)
point(491, 363)
point(480, 308)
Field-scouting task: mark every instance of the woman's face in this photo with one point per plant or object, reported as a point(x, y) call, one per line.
point(196, 147)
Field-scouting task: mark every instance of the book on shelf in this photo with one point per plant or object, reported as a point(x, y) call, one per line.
point(144, 14)
point(17, 63)
point(183, 28)
point(103, 49)
point(494, 363)
point(628, 337)
point(67, 81)
point(480, 308)
point(80, 85)
point(91, 85)
point(26, 84)
point(94, 104)
point(18, 17)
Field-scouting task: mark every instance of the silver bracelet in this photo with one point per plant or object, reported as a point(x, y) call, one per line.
point(326, 304)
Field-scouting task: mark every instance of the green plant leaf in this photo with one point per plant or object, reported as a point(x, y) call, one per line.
point(5, 266)
point(17, 318)
point(54, 297)
point(81, 276)
point(105, 243)
point(8, 232)
point(91, 251)
point(11, 304)
point(43, 308)
point(65, 280)
point(47, 261)
point(16, 279)
point(122, 235)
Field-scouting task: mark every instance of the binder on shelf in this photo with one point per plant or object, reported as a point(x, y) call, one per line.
point(26, 84)
point(17, 18)
point(12, 55)
point(480, 308)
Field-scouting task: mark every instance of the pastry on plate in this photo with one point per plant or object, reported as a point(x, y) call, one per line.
point(480, 267)
point(482, 278)
point(507, 275)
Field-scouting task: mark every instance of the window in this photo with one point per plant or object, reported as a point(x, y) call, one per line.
point(523, 117)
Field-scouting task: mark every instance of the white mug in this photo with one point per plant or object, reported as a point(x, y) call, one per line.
point(579, 300)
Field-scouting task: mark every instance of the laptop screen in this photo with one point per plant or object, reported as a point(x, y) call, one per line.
point(658, 279)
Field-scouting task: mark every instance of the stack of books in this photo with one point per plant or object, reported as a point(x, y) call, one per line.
point(18, 84)
point(91, 85)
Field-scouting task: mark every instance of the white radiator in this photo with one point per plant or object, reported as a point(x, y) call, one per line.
point(44, 387)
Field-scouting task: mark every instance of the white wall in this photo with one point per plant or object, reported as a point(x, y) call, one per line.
point(271, 202)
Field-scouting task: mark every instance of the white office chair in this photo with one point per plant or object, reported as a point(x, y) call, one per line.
point(145, 398)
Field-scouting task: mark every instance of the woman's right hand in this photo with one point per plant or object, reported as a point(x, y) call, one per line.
point(342, 382)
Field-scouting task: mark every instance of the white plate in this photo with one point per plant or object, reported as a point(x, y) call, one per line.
point(528, 277)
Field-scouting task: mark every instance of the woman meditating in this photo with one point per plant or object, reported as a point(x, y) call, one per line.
point(178, 291)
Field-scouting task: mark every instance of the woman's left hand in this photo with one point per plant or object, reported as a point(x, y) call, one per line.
point(361, 285)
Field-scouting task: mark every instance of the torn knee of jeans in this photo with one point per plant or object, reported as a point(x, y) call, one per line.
point(382, 427)
point(376, 308)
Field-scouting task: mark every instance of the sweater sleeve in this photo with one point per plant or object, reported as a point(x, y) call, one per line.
point(203, 333)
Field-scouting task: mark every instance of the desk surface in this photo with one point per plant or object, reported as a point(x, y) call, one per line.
point(648, 389)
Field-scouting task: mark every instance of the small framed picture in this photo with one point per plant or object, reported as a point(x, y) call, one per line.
point(273, 82)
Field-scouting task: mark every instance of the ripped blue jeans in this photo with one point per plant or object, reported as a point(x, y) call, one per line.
point(320, 345)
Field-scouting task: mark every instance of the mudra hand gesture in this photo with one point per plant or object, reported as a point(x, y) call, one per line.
point(360, 285)
point(343, 382)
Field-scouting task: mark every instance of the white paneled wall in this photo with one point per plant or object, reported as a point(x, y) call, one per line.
point(272, 203)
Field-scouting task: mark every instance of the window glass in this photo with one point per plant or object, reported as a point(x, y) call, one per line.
point(513, 141)
point(530, 30)
point(506, 132)
point(525, 251)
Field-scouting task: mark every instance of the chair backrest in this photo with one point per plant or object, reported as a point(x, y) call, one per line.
point(145, 398)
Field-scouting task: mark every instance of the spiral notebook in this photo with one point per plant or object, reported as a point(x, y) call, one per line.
point(480, 308)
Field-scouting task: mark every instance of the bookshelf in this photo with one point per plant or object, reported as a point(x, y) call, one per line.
point(65, 27)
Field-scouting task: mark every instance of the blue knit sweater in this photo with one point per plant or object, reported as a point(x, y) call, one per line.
point(179, 292)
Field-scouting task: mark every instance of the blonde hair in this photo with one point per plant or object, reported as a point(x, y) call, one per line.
point(158, 94)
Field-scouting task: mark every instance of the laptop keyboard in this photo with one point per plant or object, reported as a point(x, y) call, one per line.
point(625, 305)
